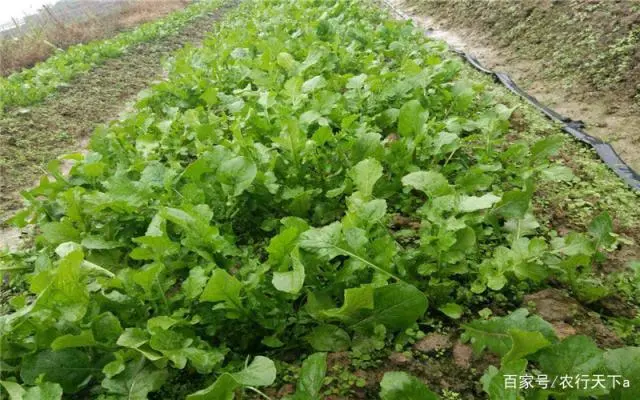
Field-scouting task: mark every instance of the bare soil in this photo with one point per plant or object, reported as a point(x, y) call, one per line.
point(568, 73)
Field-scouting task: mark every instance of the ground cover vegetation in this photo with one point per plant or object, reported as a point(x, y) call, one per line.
point(34, 84)
point(316, 179)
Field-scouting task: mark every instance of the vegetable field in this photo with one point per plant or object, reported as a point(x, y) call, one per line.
point(307, 203)
point(32, 85)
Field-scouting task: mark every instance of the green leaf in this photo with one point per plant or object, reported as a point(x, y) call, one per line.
point(493, 334)
point(574, 244)
point(222, 389)
point(558, 173)
point(59, 232)
point(452, 310)
point(355, 301)
point(313, 84)
point(475, 203)
point(547, 147)
point(133, 338)
point(98, 243)
point(15, 391)
point(430, 182)
point(69, 367)
point(136, 381)
point(502, 384)
point(365, 174)
point(44, 391)
point(524, 343)
point(396, 306)
point(281, 246)
point(286, 61)
point(323, 241)
point(329, 338)
point(223, 287)
point(84, 339)
point(411, 118)
point(624, 362)
point(66, 291)
point(601, 228)
point(575, 355)
point(290, 281)
point(312, 373)
point(261, 372)
point(357, 82)
point(514, 204)
point(237, 174)
point(195, 283)
point(402, 386)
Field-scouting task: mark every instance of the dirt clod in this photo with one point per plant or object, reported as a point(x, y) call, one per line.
point(569, 317)
point(399, 359)
point(433, 342)
point(563, 329)
point(462, 355)
point(553, 305)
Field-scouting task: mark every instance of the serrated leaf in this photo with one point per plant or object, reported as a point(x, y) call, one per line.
point(195, 283)
point(43, 391)
point(544, 148)
point(524, 343)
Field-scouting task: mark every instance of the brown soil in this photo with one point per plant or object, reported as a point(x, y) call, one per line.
point(30, 137)
point(593, 76)
point(569, 317)
point(453, 368)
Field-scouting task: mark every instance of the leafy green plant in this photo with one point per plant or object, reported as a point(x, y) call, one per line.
point(316, 177)
point(528, 345)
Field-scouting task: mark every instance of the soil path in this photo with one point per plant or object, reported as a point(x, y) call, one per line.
point(31, 137)
point(607, 115)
